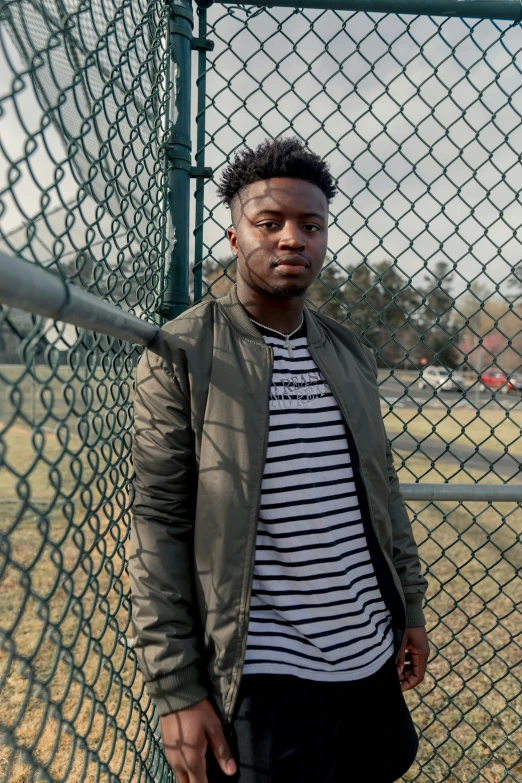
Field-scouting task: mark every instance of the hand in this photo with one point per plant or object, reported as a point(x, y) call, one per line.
point(413, 657)
point(186, 735)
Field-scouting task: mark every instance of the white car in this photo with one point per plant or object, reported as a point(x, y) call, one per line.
point(439, 379)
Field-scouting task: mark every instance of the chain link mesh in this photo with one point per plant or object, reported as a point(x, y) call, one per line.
point(420, 120)
point(83, 96)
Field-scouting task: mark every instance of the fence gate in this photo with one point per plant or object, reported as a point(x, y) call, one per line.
point(113, 116)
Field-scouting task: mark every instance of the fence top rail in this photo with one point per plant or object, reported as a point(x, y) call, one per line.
point(474, 9)
point(482, 493)
point(39, 291)
point(460, 493)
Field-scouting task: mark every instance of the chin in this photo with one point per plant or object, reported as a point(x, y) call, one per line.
point(286, 291)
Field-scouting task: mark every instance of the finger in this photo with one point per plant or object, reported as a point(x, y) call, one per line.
point(180, 774)
point(419, 662)
point(410, 682)
point(195, 769)
point(414, 676)
point(197, 775)
point(221, 749)
point(400, 659)
point(420, 669)
point(188, 764)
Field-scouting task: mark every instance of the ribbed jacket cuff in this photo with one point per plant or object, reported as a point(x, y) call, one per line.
point(177, 690)
point(414, 611)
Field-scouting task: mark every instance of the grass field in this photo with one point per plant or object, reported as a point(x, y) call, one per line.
point(470, 706)
point(69, 690)
point(492, 430)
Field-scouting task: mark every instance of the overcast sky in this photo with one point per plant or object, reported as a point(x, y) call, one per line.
point(419, 119)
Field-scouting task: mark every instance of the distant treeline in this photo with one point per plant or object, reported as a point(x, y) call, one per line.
point(410, 321)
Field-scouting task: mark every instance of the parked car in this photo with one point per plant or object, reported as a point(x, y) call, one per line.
point(440, 379)
point(515, 382)
point(497, 379)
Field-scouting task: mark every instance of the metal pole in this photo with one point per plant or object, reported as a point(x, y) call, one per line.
point(166, 90)
point(200, 152)
point(39, 291)
point(485, 493)
point(176, 294)
point(479, 9)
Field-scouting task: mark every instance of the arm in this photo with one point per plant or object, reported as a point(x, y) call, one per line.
point(161, 572)
point(160, 560)
point(415, 649)
point(405, 553)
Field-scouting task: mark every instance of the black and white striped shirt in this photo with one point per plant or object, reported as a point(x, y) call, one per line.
point(316, 610)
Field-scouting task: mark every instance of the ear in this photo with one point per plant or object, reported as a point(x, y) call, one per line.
point(232, 238)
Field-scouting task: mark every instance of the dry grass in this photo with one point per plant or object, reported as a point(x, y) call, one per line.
point(461, 426)
point(69, 689)
point(470, 706)
point(70, 693)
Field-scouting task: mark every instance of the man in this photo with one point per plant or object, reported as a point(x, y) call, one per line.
point(276, 586)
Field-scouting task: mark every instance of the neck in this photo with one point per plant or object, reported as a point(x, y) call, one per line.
point(284, 314)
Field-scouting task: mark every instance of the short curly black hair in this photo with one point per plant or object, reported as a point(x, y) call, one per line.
point(283, 157)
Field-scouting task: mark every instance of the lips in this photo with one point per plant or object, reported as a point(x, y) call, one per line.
point(292, 261)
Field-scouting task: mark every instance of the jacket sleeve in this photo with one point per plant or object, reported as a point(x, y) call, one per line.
point(405, 553)
point(161, 543)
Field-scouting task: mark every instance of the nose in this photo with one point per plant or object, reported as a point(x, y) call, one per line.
point(292, 238)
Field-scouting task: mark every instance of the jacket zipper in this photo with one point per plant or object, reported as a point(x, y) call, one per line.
point(237, 679)
point(384, 576)
point(383, 573)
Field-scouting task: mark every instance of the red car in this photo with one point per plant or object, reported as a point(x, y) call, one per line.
point(496, 379)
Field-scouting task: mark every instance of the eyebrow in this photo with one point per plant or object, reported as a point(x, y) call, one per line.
point(278, 212)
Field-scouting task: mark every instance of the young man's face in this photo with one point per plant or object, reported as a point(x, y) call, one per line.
point(280, 234)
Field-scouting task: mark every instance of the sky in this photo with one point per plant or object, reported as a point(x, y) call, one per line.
point(419, 119)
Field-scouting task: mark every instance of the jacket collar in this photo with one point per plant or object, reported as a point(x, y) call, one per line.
point(236, 314)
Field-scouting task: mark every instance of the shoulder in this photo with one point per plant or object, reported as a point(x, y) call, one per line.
point(343, 334)
point(189, 329)
point(186, 337)
point(192, 321)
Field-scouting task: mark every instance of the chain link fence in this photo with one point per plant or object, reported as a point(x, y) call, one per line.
point(83, 103)
point(420, 120)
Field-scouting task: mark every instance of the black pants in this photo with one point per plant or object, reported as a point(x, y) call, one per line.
point(289, 730)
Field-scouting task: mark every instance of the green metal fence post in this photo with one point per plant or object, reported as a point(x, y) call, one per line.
point(200, 151)
point(176, 294)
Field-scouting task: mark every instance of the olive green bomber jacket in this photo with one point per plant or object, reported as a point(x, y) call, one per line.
point(200, 435)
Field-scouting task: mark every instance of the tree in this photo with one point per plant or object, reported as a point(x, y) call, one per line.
point(437, 320)
point(491, 328)
point(379, 303)
point(325, 292)
point(219, 275)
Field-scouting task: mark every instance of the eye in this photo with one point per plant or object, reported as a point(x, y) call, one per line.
point(312, 227)
point(269, 224)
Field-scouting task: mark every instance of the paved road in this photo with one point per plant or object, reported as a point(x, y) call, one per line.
point(395, 393)
point(459, 455)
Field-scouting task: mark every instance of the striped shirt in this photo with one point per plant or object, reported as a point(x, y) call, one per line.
point(316, 609)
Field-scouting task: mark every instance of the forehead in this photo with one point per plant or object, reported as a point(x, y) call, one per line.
point(284, 195)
